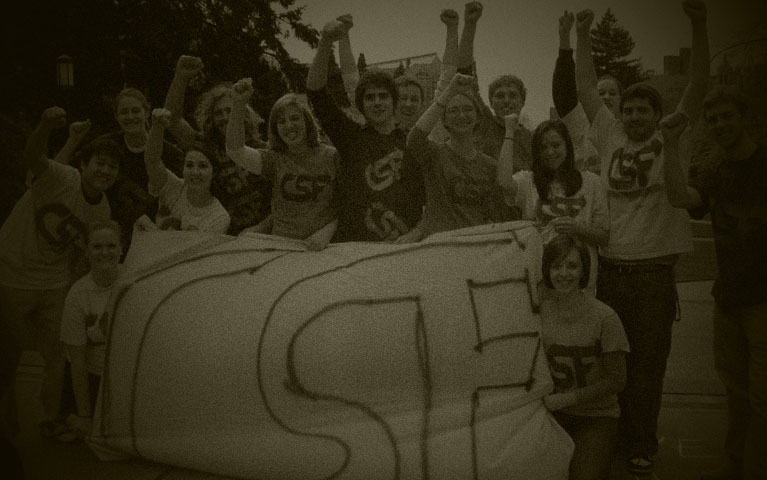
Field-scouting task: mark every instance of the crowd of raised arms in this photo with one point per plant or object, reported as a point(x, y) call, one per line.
point(606, 184)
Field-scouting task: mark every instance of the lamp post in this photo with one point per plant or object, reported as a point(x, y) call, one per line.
point(65, 72)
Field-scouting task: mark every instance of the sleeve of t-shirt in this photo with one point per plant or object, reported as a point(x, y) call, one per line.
point(55, 180)
point(613, 337)
point(340, 128)
point(171, 191)
point(73, 323)
point(563, 88)
point(420, 147)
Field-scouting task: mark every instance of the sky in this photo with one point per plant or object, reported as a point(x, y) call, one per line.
point(521, 37)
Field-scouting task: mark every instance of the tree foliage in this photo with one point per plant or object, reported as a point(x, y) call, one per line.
point(611, 45)
point(136, 43)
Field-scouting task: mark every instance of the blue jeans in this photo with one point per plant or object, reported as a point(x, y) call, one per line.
point(594, 439)
point(740, 356)
point(645, 299)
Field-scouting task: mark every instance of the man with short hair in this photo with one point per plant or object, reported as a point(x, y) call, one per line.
point(647, 234)
point(38, 242)
point(380, 190)
point(733, 188)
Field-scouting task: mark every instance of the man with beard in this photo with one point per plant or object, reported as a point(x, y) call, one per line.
point(733, 187)
point(647, 234)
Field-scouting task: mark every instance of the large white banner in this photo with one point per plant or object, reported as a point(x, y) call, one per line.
point(250, 357)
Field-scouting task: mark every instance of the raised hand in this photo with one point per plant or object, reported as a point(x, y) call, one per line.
point(334, 30)
point(449, 17)
point(188, 67)
point(161, 117)
point(53, 117)
point(472, 12)
point(583, 21)
point(566, 22)
point(461, 83)
point(77, 130)
point(672, 126)
point(243, 89)
point(346, 21)
point(695, 9)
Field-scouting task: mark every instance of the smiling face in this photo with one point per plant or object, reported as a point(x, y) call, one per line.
point(610, 94)
point(104, 249)
point(639, 119)
point(553, 149)
point(726, 124)
point(99, 173)
point(131, 115)
point(377, 106)
point(566, 273)
point(291, 126)
point(410, 103)
point(506, 99)
point(460, 115)
point(198, 171)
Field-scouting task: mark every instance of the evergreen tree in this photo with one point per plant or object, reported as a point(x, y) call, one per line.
point(362, 65)
point(612, 44)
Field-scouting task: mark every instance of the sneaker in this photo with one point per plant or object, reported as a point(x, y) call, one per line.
point(640, 464)
point(52, 428)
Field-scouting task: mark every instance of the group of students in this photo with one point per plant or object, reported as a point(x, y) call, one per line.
point(606, 184)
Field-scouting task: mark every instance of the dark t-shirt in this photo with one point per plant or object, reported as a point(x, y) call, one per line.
point(735, 192)
point(379, 189)
point(244, 195)
point(129, 196)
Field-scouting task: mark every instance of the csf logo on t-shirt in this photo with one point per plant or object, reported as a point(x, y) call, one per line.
point(571, 365)
point(303, 188)
point(560, 206)
point(630, 170)
point(382, 173)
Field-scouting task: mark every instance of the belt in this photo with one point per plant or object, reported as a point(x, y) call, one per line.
point(629, 268)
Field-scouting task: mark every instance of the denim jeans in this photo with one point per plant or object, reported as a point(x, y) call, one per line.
point(645, 299)
point(740, 356)
point(594, 439)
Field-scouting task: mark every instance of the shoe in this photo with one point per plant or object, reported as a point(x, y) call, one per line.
point(640, 464)
point(52, 428)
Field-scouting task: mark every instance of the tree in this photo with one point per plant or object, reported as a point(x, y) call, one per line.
point(611, 45)
point(136, 43)
point(399, 71)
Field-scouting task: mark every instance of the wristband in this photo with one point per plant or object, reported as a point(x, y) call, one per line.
point(508, 138)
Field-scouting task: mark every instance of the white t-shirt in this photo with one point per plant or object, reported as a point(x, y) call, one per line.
point(574, 350)
point(47, 226)
point(85, 320)
point(588, 206)
point(176, 213)
point(643, 224)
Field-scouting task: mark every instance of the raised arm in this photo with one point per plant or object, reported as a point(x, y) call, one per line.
point(155, 169)
point(77, 131)
point(505, 177)
point(187, 67)
point(692, 99)
point(472, 13)
point(563, 89)
point(429, 118)
point(679, 194)
point(35, 150)
point(585, 73)
point(247, 157)
point(317, 78)
point(349, 72)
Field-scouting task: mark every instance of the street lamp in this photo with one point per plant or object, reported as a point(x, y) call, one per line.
point(65, 72)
